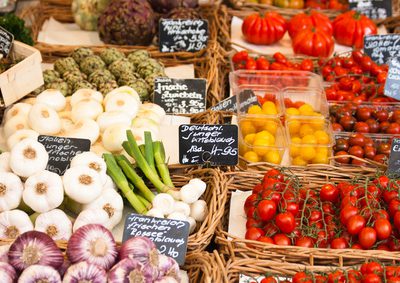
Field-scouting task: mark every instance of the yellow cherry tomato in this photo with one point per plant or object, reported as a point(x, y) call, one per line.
point(273, 156)
point(254, 109)
point(322, 137)
point(292, 111)
point(261, 146)
point(247, 127)
point(267, 136)
point(250, 138)
point(269, 108)
point(318, 123)
point(323, 150)
point(306, 109)
point(308, 152)
point(251, 156)
point(295, 149)
point(309, 139)
point(298, 161)
point(305, 129)
point(294, 126)
point(320, 158)
point(271, 126)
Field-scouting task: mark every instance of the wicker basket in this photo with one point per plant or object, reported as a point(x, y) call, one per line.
point(240, 248)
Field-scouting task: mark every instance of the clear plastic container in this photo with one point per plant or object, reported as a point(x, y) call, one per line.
point(261, 139)
point(304, 101)
point(310, 141)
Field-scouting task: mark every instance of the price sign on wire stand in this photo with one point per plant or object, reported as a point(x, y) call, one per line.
point(392, 84)
point(170, 236)
point(373, 9)
point(247, 98)
point(381, 48)
point(394, 158)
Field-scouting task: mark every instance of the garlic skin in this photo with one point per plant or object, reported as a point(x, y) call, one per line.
point(182, 207)
point(39, 273)
point(7, 273)
point(43, 191)
point(34, 247)
point(20, 135)
point(4, 253)
point(85, 93)
point(28, 157)
point(44, 119)
point(199, 210)
point(19, 109)
point(54, 223)
point(13, 223)
point(167, 266)
point(122, 102)
point(166, 279)
point(92, 161)
point(192, 224)
point(154, 212)
point(92, 216)
point(112, 203)
point(107, 119)
point(139, 248)
point(177, 216)
point(94, 244)
point(85, 129)
point(164, 202)
point(86, 109)
point(5, 162)
point(52, 98)
point(11, 189)
point(130, 270)
point(82, 184)
point(14, 124)
point(190, 193)
point(85, 272)
point(114, 136)
point(3, 141)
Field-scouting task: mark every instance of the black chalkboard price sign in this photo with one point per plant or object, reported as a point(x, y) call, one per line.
point(374, 9)
point(170, 236)
point(213, 144)
point(61, 151)
point(6, 41)
point(382, 47)
point(392, 85)
point(180, 96)
point(247, 98)
point(183, 35)
point(394, 158)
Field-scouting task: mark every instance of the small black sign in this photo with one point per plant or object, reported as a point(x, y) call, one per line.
point(394, 158)
point(392, 85)
point(183, 35)
point(6, 41)
point(170, 236)
point(373, 9)
point(180, 96)
point(61, 151)
point(382, 47)
point(247, 98)
point(213, 144)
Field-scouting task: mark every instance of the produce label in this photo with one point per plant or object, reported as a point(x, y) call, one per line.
point(394, 158)
point(183, 35)
point(212, 144)
point(170, 236)
point(392, 85)
point(6, 41)
point(61, 151)
point(247, 98)
point(180, 96)
point(382, 47)
point(374, 9)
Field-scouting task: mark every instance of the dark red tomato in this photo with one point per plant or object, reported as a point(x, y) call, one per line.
point(396, 220)
point(341, 144)
point(373, 126)
point(336, 127)
point(251, 222)
point(363, 113)
point(357, 139)
point(369, 141)
point(254, 233)
point(383, 228)
point(329, 192)
point(251, 200)
point(361, 127)
point(383, 126)
point(354, 276)
point(257, 189)
point(369, 152)
point(355, 224)
point(336, 277)
point(358, 162)
point(343, 160)
point(348, 123)
point(356, 150)
point(266, 239)
point(266, 209)
point(384, 148)
point(371, 278)
point(269, 183)
point(270, 229)
point(285, 222)
point(367, 237)
point(262, 63)
point(356, 247)
point(347, 212)
point(393, 129)
point(394, 244)
point(339, 243)
point(268, 279)
point(282, 240)
point(383, 247)
point(306, 242)
point(392, 271)
point(381, 115)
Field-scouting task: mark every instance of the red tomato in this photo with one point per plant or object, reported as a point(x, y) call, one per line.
point(266, 239)
point(282, 240)
point(355, 224)
point(313, 42)
point(269, 279)
point(396, 220)
point(306, 242)
point(308, 21)
point(302, 277)
point(383, 228)
point(262, 63)
point(307, 65)
point(254, 233)
point(251, 64)
point(266, 209)
point(361, 127)
point(371, 267)
point(280, 58)
point(329, 192)
point(347, 212)
point(371, 278)
point(239, 57)
point(264, 29)
point(394, 206)
point(367, 237)
point(356, 150)
point(285, 222)
point(350, 28)
point(336, 277)
point(394, 280)
point(339, 243)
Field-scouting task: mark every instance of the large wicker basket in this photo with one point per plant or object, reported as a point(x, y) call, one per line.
point(235, 247)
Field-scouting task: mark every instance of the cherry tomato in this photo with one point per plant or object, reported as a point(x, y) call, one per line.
point(361, 127)
point(355, 224)
point(367, 237)
point(348, 123)
point(396, 220)
point(371, 278)
point(306, 242)
point(302, 277)
point(373, 126)
point(381, 115)
point(329, 192)
point(364, 113)
point(357, 139)
point(266, 209)
point(266, 239)
point(240, 56)
point(268, 279)
point(393, 129)
point(254, 233)
point(347, 212)
point(337, 127)
point(383, 228)
point(282, 240)
point(369, 152)
point(339, 243)
point(307, 65)
point(262, 63)
point(280, 58)
point(343, 160)
point(285, 222)
point(356, 150)
point(251, 64)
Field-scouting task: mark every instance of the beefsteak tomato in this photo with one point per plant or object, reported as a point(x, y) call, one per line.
point(309, 20)
point(313, 42)
point(350, 28)
point(264, 29)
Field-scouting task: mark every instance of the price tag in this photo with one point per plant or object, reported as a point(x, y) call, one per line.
point(213, 144)
point(373, 9)
point(170, 236)
point(247, 97)
point(394, 158)
point(382, 47)
point(180, 96)
point(6, 41)
point(183, 35)
point(392, 85)
point(61, 151)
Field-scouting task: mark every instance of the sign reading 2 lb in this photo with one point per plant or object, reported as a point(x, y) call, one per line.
point(216, 144)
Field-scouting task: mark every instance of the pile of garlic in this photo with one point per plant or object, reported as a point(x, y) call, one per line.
point(85, 114)
point(27, 188)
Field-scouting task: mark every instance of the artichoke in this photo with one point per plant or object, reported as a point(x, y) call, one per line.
point(164, 6)
point(73, 76)
point(141, 87)
point(60, 85)
point(91, 64)
point(86, 12)
point(65, 64)
point(111, 55)
point(150, 80)
point(82, 84)
point(138, 56)
point(121, 66)
point(81, 53)
point(127, 22)
point(106, 87)
point(149, 67)
point(126, 77)
point(100, 76)
point(50, 76)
